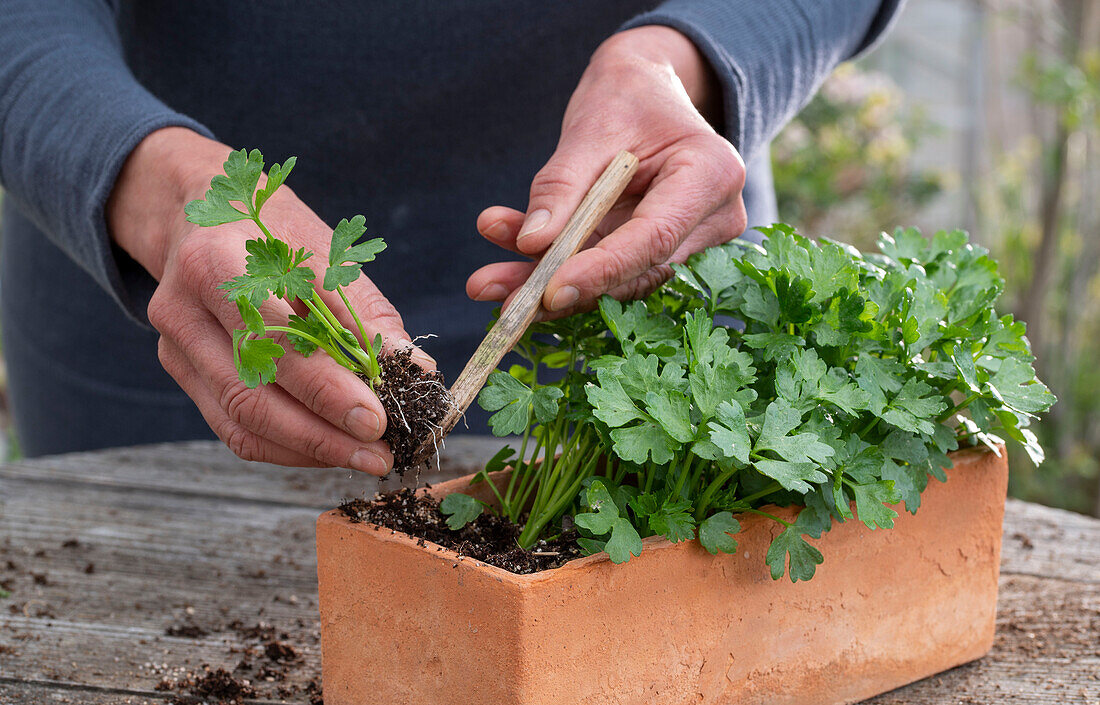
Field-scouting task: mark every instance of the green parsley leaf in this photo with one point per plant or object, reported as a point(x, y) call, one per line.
point(272, 268)
point(714, 533)
point(276, 177)
point(804, 558)
point(514, 402)
point(460, 509)
point(255, 358)
point(343, 249)
point(871, 501)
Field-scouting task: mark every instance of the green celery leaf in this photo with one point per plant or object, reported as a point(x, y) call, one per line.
point(673, 520)
point(610, 402)
point(602, 511)
point(276, 177)
point(624, 542)
point(779, 420)
point(710, 386)
point(730, 433)
point(591, 546)
point(794, 295)
point(1015, 385)
point(214, 209)
point(793, 476)
point(460, 509)
point(237, 184)
point(637, 444)
point(878, 377)
point(714, 533)
point(311, 325)
point(343, 249)
point(670, 409)
point(915, 407)
point(253, 321)
point(513, 401)
point(272, 268)
point(255, 358)
point(871, 501)
point(804, 558)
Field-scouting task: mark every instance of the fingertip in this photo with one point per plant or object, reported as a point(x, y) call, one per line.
point(499, 224)
point(373, 458)
point(534, 236)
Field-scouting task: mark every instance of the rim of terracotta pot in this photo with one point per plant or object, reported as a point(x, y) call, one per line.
point(651, 544)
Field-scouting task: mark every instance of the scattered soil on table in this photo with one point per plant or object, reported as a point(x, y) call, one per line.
point(211, 683)
point(415, 402)
point(489, 538)
point(267, 662)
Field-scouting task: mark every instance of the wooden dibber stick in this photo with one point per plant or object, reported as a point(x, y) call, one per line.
point(513, 322)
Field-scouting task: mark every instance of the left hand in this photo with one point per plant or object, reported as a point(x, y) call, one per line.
point(645, 90)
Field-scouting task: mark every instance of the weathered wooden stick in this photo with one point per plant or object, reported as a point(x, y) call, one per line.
point(513, 322)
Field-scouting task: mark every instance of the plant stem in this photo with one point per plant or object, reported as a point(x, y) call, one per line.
point(334, 353)
point(957, 408)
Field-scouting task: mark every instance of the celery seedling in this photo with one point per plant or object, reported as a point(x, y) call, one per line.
point(273, 268)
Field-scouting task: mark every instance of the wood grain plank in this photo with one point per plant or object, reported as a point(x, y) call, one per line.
point(192, 535)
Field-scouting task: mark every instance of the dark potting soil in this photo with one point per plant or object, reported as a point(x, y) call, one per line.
point(489, 538)
point(415, 402)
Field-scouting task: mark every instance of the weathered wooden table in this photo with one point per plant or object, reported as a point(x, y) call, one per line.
point(136, 567)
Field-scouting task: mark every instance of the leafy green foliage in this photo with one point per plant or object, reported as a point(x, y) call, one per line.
point(847, 383)
point(345, 250)
point(515, 403)
point(275, 269)
point(605, 518)
point(460, 509)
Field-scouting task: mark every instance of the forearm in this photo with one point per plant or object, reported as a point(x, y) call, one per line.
point(170, 167)
point(71, 113)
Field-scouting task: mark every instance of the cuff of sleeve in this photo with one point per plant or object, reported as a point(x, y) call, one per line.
point(128, 283)
point(730, 75)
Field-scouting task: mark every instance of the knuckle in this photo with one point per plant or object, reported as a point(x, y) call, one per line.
point(553, 179)
point(730, 169)
point(315, 395)
point(666, 235)
point(243, 443)
point(245, 406)
point(324, 449)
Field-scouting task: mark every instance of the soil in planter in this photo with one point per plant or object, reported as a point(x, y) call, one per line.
point(489, 538)
point(415, 402)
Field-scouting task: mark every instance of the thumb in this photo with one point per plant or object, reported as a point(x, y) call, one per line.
point(556, 191)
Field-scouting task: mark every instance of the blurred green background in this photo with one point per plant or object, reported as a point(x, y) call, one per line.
point(984, 115)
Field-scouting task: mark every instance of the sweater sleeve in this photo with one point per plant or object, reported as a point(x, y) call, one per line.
point(772, 55)
point(70, 114)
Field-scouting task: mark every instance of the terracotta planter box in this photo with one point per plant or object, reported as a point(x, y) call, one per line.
point(407, 624)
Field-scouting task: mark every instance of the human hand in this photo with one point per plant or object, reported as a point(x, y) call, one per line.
point(645, 90)
point(318, 413)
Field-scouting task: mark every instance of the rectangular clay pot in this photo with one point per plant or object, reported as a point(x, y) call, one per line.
point(409, 624)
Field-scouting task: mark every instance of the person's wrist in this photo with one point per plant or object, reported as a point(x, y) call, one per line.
point(665, 46)
point(168, 168)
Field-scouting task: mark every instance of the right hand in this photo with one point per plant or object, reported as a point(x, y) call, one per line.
point(317, 413)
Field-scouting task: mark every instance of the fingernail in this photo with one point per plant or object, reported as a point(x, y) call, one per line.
point(535, 222)
point(363, 423)
point(366, 460)
point(493, 291)
point(564, 298)
point(497, 231)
